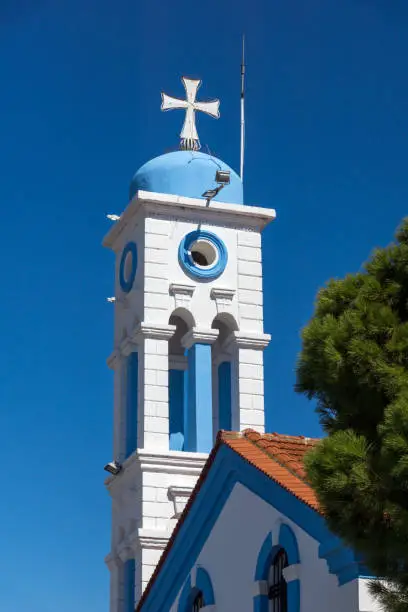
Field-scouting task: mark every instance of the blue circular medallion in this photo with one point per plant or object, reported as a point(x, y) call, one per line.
point(203, 255)
point(128, 267)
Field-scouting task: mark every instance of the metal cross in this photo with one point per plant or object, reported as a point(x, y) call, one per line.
point(189, 136)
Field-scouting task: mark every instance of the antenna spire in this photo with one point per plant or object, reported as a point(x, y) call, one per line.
point(242, 108)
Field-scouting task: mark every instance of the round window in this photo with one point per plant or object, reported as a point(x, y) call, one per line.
point(128, 267)
point(203, 255)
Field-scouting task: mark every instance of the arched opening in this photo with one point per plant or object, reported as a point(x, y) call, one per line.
point(277, 586)
point(197, 596)
point(183, 321)
point(283, 588)
point(224, 374)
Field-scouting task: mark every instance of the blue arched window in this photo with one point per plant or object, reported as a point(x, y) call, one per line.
point(276, 593)
point(277, 587)
point(196, 596)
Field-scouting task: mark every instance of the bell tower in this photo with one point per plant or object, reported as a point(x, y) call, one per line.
point(188, 341)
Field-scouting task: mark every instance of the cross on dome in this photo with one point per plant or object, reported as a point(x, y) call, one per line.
point(189, 136)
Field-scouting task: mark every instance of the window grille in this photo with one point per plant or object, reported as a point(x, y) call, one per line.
point(198, 602)
point(277, 593)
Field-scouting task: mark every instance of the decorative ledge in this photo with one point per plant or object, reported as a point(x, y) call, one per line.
point(250, 341)
point(145, 330)
point(150, 538)
point(158, 332)
point(179, 497)
point(223, 299)
point(182, 294)
point(202, 336)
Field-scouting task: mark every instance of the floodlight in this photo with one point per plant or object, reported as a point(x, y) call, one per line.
point(223, 177)
point(113, 468)
point(210, 193)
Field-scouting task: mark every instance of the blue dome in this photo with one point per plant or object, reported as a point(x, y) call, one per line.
point(186, 173)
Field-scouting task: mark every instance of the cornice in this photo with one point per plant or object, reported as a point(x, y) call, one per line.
point(173, 205)
point(149, 538)
point(244, 340)
point(202, 336)
point(139, 333)
point(173, 461)
point(170, 462)
point(182, 289)
point(157, 332)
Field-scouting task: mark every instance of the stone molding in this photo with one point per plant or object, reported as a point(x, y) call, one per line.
point(247, 341)
point(182, 295)
point(201, 336)
point(149, 538)
point(142, 331)
point(157, 332)
point(180, 497)
point(223, 298)
point(184, 207)
point(170, 462)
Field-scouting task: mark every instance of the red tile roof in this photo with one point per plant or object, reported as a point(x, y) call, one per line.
point(278, 456)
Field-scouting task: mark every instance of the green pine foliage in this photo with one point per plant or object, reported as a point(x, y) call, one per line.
point(354, 364)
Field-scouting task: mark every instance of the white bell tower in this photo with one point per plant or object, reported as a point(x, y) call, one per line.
point(188, 341)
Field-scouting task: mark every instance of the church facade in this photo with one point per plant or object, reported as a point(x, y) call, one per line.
point(200, 519)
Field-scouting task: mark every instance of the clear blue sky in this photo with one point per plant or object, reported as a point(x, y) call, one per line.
point(327, 134)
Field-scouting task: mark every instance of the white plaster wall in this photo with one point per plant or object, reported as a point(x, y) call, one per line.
point(202, 306)
point(129, 306)
point(230, 555)
point(158, 240)
point(249, 268)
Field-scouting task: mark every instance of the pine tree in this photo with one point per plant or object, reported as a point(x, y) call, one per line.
point(354, 364)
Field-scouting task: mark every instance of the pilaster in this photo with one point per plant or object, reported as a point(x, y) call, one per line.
point(198, 430)
point(248, 410)
point(151, 343)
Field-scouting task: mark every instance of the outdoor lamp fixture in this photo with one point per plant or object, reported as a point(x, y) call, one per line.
point(113, 468)
point(222, 177)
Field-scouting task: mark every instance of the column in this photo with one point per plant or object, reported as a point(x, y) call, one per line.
point(153, 414)
point(131, 403)
point(198, 425)
point(248, 410)
point(177, 374)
